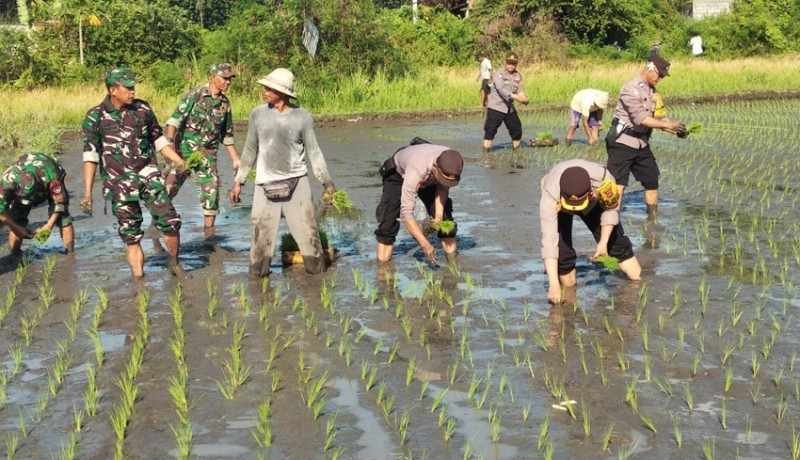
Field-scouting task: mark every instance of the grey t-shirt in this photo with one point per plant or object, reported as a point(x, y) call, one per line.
point(277, 145)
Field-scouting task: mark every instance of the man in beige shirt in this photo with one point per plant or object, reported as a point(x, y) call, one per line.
point(585, 189)
point(628, 139)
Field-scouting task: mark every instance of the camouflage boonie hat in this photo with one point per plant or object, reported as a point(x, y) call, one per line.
point(122, 76)
point(223, 70)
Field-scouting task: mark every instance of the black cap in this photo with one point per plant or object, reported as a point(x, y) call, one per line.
point(661, 64)
point(575, 186)
point(450, 164)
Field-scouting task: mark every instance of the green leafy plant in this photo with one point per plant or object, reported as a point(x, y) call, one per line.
point(195, 159)
point(288, 243)
point(341, 201)
point(446, 227)
point(610, 263)
point(42, 236)
point(544, 136)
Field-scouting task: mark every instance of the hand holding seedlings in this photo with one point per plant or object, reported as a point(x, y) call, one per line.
point(42, 235)
point(691, 128)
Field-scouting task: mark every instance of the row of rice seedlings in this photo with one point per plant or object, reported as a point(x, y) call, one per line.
point(122, 412)
point(178, 384)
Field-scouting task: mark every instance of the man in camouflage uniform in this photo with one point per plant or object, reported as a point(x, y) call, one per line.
point(32, 180)
point(122, 135)
point(200, 122)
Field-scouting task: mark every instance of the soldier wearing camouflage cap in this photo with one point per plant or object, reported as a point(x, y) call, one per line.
point(33, 179)
point(122, 136)
point(201, 121)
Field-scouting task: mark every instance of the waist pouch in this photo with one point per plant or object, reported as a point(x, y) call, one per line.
point(280, 190)
point(388, 168)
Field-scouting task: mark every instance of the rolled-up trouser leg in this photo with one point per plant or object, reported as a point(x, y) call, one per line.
point(299, 213)
point(265, 217)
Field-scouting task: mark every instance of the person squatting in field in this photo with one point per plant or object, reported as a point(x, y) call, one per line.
point(33, 179)
point(585, 189)
point(427, 171)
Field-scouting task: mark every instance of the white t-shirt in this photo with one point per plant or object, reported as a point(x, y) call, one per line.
point(583, 101)
point(697, 45)
point(486, 69)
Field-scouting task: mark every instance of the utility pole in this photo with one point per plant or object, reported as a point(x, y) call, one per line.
point(414, 6)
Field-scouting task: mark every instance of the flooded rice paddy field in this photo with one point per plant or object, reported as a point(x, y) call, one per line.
point(696, 361)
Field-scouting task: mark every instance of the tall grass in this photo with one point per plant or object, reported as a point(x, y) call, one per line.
point(32, 120)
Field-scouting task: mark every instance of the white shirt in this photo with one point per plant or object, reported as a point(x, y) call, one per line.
point(697, 45)
point(583, 101)
point(486, 69)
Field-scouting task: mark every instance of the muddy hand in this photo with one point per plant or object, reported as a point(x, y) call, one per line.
point(430, 255)
point(86, 206)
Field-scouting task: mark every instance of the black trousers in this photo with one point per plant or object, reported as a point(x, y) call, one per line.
point(388, 211)
point(619, 245)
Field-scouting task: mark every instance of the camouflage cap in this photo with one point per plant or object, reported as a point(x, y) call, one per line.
point(122, 76)
point(223, 70)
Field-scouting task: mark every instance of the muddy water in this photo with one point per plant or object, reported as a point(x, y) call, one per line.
point(436, 364)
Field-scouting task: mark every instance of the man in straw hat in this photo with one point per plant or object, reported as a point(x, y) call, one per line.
point(586, 189)
point(427, 171)
point(200, 123)
point(587, 110)
point(280, 137)
point(628, 138)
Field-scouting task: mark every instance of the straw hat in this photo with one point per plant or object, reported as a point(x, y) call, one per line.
point(281, 80)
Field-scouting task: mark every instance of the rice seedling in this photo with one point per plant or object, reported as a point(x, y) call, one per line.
point(687, 395)
point(402, 427)
point(12, 442)
point(780, 410)
point(795, 443)
point(777, 377)
point(234, 370)
point(755, 366)
point(728, 378)
point(450, 428)
point(586, 419)
point(676, 430)
point(755, 393)
point(727, 350)
point(609, 431)
point(543, 428)
point(263, 429)
point(626, 450)
point(709, 448)
point(676, 300)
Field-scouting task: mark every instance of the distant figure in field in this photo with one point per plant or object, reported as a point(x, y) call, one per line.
point(484, 76)
point(587, 108)
point(696, 42)
point(655, 49)
point(506, 89)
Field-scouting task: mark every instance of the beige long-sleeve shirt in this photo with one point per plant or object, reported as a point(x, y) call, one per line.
point(549, 202)
point(635, 103)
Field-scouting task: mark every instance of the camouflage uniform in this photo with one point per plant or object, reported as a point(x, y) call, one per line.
point(202, 121)
point(124, 142)
point(32, 180)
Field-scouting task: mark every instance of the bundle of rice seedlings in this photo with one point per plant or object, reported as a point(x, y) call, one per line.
point(42, 236)
point(694, 127)
point(288, 243)
point(610, 263)
point(544, 136)
point(194, 160)
point(341, 201)
point(446, 227)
